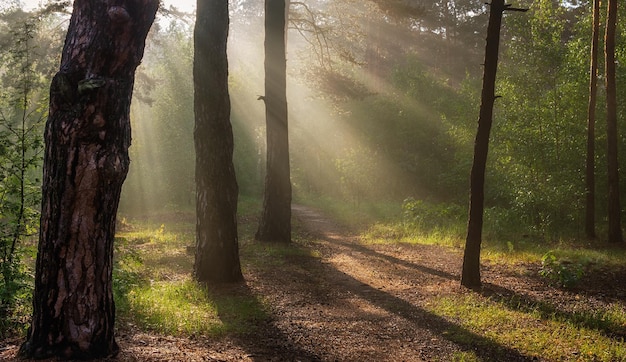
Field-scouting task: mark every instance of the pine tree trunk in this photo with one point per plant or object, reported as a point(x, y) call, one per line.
point(590, 179)
point(615, 225)
point(86, 161)
point(470, 276)
point(217, 250)
point(275, 225)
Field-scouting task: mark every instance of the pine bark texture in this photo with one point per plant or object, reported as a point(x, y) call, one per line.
point(615, 225)
point(275, 224)
point(470, 276)
point(217, 250)
point(86, 161)
point(590, 178)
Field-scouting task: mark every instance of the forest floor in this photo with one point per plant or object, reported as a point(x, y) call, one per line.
point(345, 300)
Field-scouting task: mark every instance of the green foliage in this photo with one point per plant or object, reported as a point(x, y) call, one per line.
point(428, 216)
point(364, 216)
point(22, 111)
point(409, 140)
point(359, 173)
point(163, 121)
point(538, 138)
point(161, 177)
point(563, 272)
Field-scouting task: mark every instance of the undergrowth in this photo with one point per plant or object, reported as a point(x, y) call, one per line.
point(154, 289)
point(505, 238)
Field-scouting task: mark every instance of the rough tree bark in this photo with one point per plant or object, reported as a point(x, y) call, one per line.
point(590, 178)
point(275, 224)
point(217, 250)
point(470, 276)
point(86, 161)
point(615, 225)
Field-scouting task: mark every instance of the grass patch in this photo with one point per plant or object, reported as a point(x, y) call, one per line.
point(537, 330)
point(186, 308)
point(382, 233)
point(154, 290)
point(504, 239)
point(465, 357)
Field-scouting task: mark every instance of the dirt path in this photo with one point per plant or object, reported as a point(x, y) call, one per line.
point(336, 299)
point(359, 302)
point(363, 302)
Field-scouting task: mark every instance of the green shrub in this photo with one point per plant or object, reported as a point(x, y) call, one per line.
point(564, 273)
point(428, 216)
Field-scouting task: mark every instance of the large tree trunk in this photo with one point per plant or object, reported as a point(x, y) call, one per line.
point(470, 276)
point(217, 250)
point(615, 225)
point(275, 225)
point(590, 178)
point(87, 138)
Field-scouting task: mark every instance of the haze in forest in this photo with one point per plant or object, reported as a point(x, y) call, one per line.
point(383, 104)
point(336, 73)
point(383, 101)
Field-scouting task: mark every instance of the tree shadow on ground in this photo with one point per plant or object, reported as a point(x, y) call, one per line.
point(484, 348)
point(311, 271)
point(548, 311)
point(369, 253)
point(261, 338)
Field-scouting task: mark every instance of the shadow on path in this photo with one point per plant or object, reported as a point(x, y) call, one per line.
point(484, 348)
point(267, 342)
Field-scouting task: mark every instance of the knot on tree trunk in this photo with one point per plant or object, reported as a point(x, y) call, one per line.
point(118, 15)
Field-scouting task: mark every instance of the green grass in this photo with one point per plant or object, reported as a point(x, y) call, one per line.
point(184, 308)
point(154, 290)
point(553, 336)
point(502, 243)
point(465, 357)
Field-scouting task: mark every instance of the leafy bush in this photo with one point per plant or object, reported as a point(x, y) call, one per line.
point(426, 216)
point(564, 273)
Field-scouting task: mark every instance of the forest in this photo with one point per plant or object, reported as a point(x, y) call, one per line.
point(193, 224)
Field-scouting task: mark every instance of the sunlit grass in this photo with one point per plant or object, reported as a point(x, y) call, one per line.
point(185, 308)
point(180, 307)
point(464, 356)
point(154, 290)
point(529, 329)
point(500, 244)
point(384, 233)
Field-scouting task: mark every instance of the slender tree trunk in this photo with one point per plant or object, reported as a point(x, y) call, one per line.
point(590, 178)
point(275, 225)
point(615, 227)
point(86, 161)
point(470, 276)
point(217, 249)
